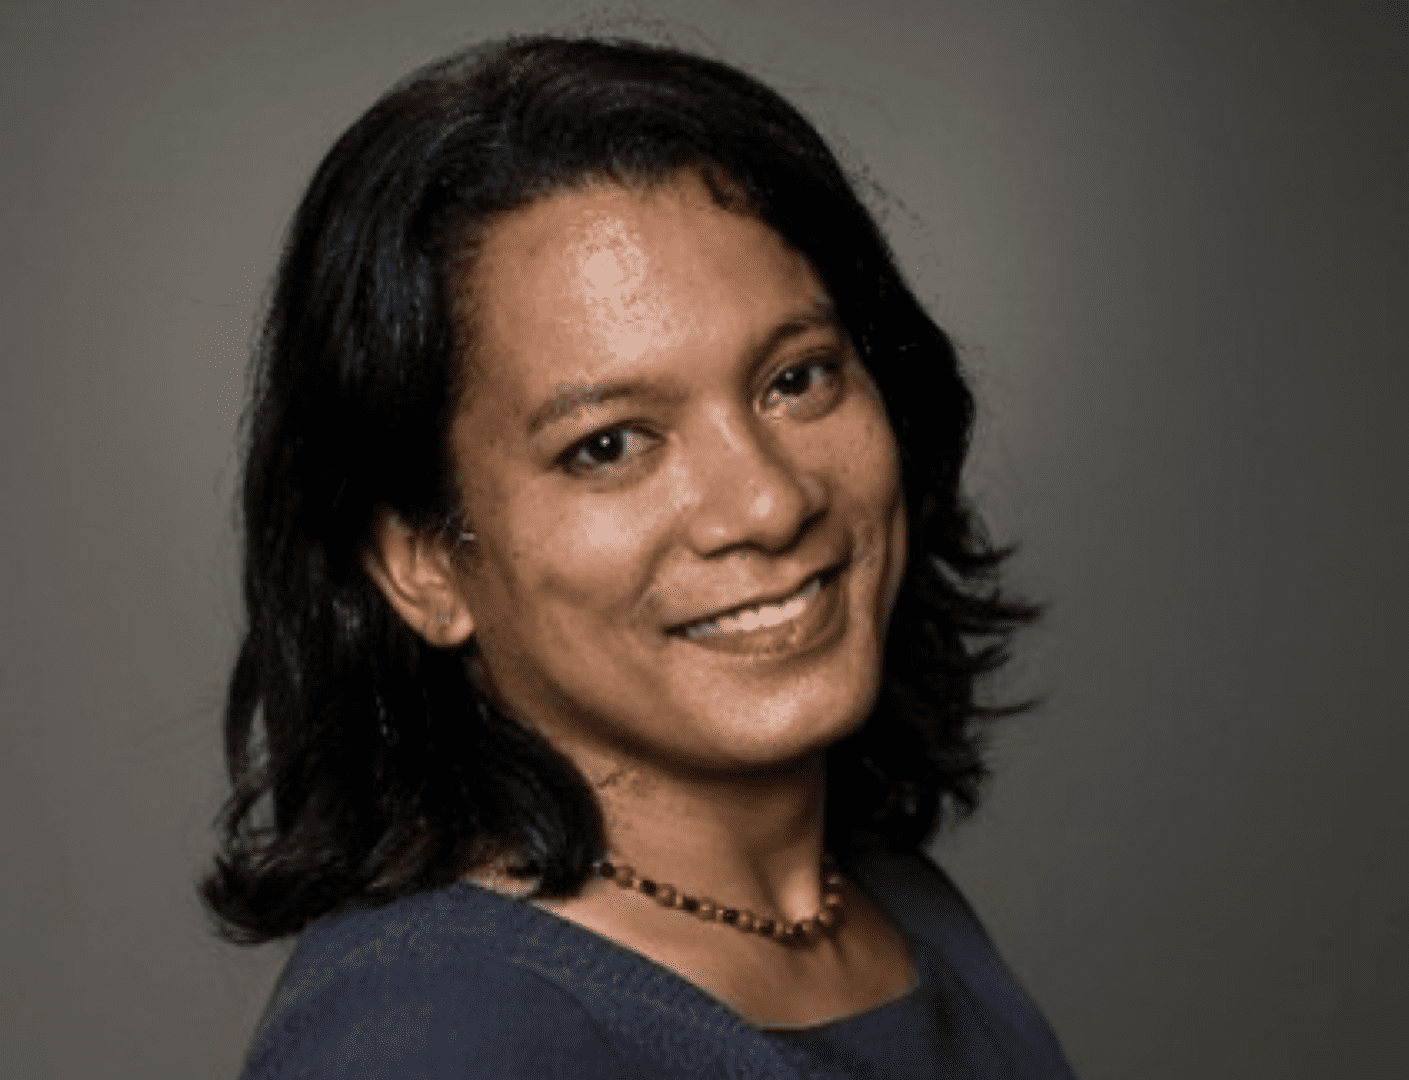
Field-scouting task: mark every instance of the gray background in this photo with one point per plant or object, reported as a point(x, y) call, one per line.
point(1170, 239)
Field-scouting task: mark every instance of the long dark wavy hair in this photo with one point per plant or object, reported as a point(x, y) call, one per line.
point(366, 765)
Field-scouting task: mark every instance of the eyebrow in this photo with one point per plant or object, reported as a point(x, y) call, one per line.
point(568, 398)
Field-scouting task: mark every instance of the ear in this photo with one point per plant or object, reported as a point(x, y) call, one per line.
point(415, 571)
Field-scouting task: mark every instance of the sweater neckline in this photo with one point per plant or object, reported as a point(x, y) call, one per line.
point(566, 928)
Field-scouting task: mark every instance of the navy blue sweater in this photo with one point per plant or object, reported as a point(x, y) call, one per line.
point(463, 982)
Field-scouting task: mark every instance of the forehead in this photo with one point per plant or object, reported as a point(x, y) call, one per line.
point(613, 281)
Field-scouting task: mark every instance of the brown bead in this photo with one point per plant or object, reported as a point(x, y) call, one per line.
point(780, 930)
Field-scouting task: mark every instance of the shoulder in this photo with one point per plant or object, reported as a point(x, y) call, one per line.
point(919, 895)
point(428, 986)
point(927, 905)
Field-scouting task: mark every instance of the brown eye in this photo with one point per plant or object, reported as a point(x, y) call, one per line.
point(605, 449)
point(813, 384)
point(796, 381)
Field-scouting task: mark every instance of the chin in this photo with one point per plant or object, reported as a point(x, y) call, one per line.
point(758, 735)
point(788, 698)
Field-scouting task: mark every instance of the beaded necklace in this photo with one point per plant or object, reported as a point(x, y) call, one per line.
point(783, 931)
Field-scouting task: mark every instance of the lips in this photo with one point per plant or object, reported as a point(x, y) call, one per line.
point(758, 616)
point(793, 629)
point(759, 612)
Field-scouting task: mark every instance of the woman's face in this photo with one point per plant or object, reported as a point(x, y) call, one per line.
point(684, 489)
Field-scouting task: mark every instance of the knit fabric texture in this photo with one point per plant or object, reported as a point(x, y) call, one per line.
point(463, 982)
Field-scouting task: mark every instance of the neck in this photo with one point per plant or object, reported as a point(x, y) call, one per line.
point(752, 841)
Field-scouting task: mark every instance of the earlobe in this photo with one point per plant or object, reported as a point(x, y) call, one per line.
point(416, 573)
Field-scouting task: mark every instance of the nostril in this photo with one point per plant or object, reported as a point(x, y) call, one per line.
point(753, 491)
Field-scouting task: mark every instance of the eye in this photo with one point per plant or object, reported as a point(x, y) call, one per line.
point(815, 385)
point(605, 449)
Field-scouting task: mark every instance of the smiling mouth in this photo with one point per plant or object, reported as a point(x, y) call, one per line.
point(760, 616)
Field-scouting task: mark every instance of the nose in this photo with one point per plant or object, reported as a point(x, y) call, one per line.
point(752, 494)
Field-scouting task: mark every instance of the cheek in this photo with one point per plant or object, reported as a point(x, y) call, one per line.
point(868, 477)
point(899, 552)
point(585, 555)
point(868, 466)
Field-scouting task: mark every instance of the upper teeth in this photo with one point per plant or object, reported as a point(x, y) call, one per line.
point(757, 618)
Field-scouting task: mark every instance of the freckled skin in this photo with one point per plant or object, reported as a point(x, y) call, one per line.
point(723, 489)
point(752, 455)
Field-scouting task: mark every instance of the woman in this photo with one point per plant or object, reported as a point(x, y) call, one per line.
point(613, 610)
